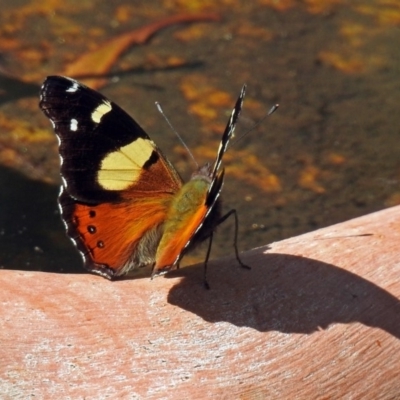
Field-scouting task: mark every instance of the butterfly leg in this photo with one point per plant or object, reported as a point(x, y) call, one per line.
point(220, 221)
point(207, 286)
point(224, 218)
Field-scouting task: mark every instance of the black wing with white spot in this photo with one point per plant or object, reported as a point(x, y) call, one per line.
point(91, 130)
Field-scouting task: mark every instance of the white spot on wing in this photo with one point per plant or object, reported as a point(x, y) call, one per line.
point(73, 125)
point(101, 110)
point(73, 88)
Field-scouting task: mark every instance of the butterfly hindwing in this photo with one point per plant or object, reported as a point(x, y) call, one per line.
point(114, 238)
point(186, 226)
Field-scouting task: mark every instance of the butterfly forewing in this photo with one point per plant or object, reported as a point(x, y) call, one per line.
point(103, 150)
point(229, 131)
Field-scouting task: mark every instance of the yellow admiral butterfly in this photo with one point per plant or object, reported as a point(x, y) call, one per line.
point(123, 203)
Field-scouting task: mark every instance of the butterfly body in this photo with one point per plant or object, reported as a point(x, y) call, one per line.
point(124, 205)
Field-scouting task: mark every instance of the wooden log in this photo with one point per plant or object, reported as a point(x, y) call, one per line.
point(317, 317)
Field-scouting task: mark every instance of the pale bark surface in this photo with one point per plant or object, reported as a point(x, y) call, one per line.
point(317, 317)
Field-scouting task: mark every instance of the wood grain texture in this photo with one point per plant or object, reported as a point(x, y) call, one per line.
point(317, 317)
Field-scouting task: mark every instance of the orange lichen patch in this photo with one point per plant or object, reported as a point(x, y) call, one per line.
point(350, 64)
point(20, 158)
point(8, 44)
point(205, 100)
point(255, 32)
point(354, 54)
point(27, 149)
point(390, 15)
point(320, 6)
point(22, 131)
point(100, 60)
point(250, 169)
point(393, 200)
point(124, 13)
point(387, 12)
point(31, 57)
point(95, 32)
point(203, 110)
point(46, 8)
point(191, 33)
point(218, 98)
point(7, 156)
point(336, 159)
point(11, 158)
point(153, 60)
point(174, 61)
point(28, 105)
point(312, 6)
point(256, 175)
point(356, 63)
point(308, 179)
point(354, 57)
point(254, 105)
point(279, 5)
point(196, 5)
point(66, 28)
point(196, 87)
point(22, 17)
point(191, 85)
point(355, 34)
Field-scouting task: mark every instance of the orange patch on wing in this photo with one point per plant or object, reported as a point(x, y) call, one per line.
point(111, 232)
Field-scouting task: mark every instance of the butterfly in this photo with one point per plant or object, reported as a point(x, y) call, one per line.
point(123, 204)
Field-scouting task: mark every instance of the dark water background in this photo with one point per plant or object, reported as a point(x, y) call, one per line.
point(329, 154)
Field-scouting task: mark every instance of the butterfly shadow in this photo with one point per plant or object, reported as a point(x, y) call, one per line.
point(285, 293)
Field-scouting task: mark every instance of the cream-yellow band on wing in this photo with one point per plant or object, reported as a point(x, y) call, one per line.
point(100, 111)
point(121, 169)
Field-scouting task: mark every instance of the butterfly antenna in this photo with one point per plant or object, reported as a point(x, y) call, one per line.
point(271, 111)
point(176, 133)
